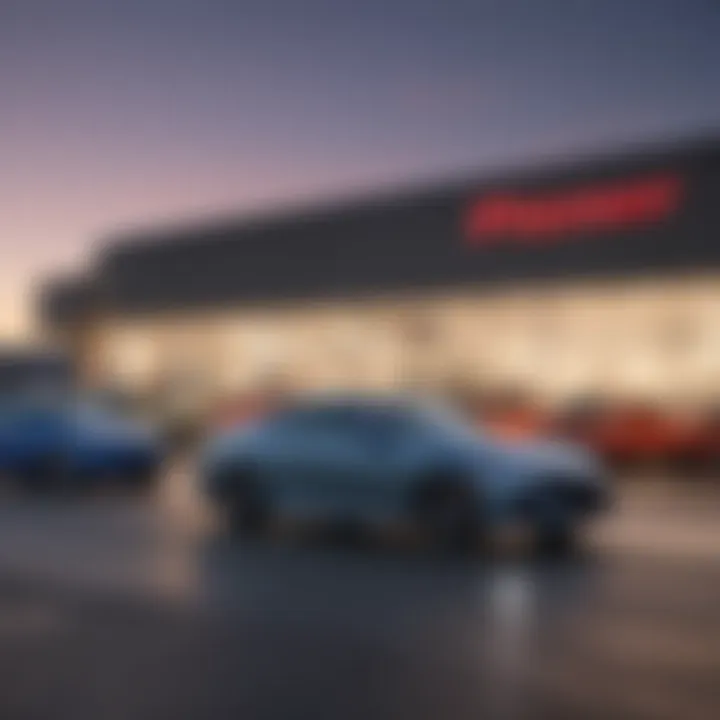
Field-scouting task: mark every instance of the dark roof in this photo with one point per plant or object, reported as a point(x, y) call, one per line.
point(411, 239)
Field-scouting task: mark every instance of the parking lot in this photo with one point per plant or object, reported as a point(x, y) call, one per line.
point(131, 607)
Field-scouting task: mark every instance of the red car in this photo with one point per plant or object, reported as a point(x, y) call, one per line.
point(638, 434)
point(702, 449)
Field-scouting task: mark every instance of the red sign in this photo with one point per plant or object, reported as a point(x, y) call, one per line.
point(550, 216)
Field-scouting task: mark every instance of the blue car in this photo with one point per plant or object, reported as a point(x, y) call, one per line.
point(45, 445)
point(381, 460)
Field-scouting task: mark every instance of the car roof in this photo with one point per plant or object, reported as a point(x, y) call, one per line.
point(409, 406)
point(355, 401)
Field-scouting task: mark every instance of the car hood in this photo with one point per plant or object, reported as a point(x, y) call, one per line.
point(549, 457)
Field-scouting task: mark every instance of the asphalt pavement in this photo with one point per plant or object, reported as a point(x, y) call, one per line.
point(118, 607)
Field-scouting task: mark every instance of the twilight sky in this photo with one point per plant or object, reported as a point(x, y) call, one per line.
point(117, 113)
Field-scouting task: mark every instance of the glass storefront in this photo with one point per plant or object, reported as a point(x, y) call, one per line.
point(649, 339)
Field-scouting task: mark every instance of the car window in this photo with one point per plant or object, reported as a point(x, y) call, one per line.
point(312, 419)
point(373, 424)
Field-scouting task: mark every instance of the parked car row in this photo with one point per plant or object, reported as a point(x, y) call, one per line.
point(625, 435)
point(340, 459)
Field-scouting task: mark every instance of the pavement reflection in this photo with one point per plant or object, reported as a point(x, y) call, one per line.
point(142, 607)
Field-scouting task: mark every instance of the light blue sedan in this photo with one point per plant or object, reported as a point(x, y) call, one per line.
point(54, 444)
point(360, 459)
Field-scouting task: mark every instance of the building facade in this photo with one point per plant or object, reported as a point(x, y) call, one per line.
point(600, 276)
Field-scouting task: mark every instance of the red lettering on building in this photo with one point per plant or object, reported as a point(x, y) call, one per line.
point(550, 216)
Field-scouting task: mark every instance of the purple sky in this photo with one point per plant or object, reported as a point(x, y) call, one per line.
point(137, 111)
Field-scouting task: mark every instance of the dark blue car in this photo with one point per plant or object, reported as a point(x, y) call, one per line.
point(73, 444)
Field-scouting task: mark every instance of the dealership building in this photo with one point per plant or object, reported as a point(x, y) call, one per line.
point(598, 276)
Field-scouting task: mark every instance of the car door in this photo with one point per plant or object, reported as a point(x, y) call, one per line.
point(322, 462)
point(358, 456)
point(290, 458)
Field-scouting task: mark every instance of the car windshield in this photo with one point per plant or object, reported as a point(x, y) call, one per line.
point(382, 417)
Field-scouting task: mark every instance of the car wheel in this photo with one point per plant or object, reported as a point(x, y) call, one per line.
point(143, 481)
point(447, 512)
point(248, 509)
point(51, 473)
point(554, 532)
